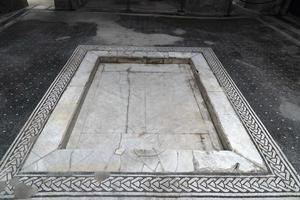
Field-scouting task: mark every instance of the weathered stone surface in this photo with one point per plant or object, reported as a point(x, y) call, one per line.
point(12, 5)
point(209, 7)
point(68, 4)
point(143, 106)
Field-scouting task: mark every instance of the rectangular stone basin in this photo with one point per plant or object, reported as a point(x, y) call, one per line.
point(144, 112)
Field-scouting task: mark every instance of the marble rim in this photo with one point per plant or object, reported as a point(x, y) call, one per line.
point(49, 151)
point(282, 179)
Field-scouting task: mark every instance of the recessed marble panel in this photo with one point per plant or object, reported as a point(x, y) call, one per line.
point(145, 107)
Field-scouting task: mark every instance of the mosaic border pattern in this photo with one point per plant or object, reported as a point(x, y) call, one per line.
point(282, 179)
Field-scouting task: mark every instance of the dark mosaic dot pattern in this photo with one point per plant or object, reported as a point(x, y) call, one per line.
point(263, 64)
point(31, 57)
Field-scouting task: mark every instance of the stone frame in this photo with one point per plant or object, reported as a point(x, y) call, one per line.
point(48, 154)
point(280, 180)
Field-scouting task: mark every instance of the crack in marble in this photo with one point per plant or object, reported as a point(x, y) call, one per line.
point(195, 162)
point(128, 99)
point(70, 160)
point(177, 157)
point(249, 160)
point(36, 161)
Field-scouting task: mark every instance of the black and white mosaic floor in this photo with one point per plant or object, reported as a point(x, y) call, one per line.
point(264, 67)
point(279, 179)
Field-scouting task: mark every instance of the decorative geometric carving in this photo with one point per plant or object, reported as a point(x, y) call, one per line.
point(281, 181)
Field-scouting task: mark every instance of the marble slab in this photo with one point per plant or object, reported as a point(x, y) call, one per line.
point(135, 102)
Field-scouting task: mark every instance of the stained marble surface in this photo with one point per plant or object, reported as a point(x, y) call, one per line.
point(142, 108)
